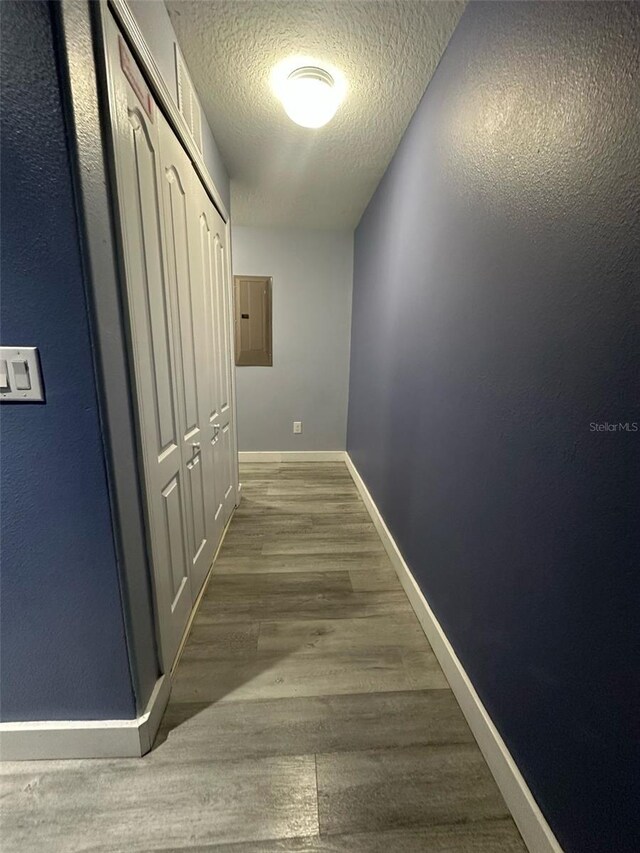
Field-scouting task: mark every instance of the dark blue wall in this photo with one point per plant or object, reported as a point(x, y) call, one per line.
point(495, 318)
point(62, 634)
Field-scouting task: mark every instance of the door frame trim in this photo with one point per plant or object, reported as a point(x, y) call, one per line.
point(79, 30)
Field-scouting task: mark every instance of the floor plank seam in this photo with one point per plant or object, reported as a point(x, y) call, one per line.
point(307, 712)
point(315, 761)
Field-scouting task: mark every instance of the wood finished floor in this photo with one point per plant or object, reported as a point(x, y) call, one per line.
point(308, 712)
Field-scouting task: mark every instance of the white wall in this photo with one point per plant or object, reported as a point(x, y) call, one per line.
point(157, 29)
point(312, 274)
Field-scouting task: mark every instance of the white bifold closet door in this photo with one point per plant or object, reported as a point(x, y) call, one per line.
point(178, 300)
point(193, 368)
point(212, 267)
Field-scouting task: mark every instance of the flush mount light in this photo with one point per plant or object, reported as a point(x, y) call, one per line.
point(310, 94)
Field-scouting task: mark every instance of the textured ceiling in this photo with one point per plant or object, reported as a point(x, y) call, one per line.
point(282, 174)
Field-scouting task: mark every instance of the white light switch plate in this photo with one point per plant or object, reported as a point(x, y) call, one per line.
point(20, 379)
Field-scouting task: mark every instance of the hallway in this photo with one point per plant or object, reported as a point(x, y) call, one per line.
point(308, 712)
point(331, 343)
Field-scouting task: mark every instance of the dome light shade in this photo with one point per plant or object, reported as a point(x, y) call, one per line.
point(310, 96)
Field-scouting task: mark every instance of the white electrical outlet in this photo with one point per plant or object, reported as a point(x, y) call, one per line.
point(297, 427)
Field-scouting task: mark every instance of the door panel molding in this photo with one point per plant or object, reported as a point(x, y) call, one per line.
point(92, 105)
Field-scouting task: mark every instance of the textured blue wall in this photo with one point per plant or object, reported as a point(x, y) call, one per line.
point(63, 651)
point(495, 317)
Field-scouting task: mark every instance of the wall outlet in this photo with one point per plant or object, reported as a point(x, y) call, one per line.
point(297, 427)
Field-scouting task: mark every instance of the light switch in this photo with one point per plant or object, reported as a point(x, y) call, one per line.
point(4, 379)
point(21, 379)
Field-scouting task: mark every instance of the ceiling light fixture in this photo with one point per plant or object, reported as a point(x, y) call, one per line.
point(310, 95)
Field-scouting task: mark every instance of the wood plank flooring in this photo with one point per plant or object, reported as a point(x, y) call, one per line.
point(308, 712)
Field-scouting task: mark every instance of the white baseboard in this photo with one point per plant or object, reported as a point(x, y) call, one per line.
point(55, 739)
point(292, 455)
point(526, 813)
